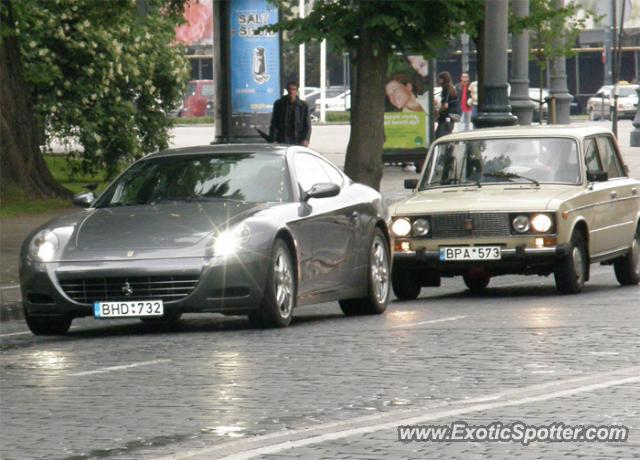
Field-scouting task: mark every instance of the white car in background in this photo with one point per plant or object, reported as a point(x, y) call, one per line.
point(600, 106)
point(339, 103)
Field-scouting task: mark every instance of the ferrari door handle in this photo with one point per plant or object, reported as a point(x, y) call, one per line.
point(613, 194)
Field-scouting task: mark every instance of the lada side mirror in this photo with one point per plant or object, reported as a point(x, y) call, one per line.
point(597, 176)
point(411, 184)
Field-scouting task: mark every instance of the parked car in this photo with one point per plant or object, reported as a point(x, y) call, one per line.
point(198, 99)
point(235, 229)
point(600, 106)
point(521, 200)
point(339, 103)
point(534, 95)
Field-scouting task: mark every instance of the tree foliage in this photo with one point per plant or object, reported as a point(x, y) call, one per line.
point(371, 31)
point(104, 73)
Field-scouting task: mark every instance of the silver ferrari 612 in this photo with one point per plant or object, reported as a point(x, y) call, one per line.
point(233, 229)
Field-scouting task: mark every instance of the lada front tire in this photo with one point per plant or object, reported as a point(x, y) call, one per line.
point(378, 290)
point(571, 273)
point(48, 325)
point(627, 268)
point(405, 283)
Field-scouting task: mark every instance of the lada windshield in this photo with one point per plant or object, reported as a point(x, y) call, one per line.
point(490, 161)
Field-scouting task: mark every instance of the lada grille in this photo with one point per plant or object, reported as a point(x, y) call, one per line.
point(168, 288)
point(482, 224)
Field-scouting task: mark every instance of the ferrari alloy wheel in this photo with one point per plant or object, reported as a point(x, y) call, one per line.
point(377, 283)
point(279, 299)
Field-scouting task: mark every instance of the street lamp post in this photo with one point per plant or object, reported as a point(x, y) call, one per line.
point(560, 97)
point(494, 108)
point(635, 133)
point(521, 104)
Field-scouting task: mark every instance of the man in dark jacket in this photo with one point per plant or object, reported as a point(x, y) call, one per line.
point(291, 119)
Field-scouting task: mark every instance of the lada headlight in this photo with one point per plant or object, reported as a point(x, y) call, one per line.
point(44, 245)
point(541, 223)
point(421, 227)
point(401, 227)
point(521, 224)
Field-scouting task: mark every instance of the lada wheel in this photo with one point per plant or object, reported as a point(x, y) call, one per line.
point(571, 272)
point(405, 283)
point(476, 284)
point(280, 294)
point(377, 281)
point(627, 268)
point(48, 325)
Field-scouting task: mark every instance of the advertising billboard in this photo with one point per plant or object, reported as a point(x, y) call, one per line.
point(255, 57)
point(406, 115)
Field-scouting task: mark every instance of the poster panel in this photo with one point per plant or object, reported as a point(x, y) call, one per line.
point(406, 115)
point(255, 57)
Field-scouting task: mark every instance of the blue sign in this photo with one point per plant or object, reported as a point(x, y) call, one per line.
point(255, 57)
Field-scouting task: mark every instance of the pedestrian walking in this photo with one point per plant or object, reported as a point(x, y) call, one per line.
point(291, 119)
point(473, 88)
point(449, 111)
point(466, 102)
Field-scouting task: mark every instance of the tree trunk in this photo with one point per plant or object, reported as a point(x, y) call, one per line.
point(22, 168)
point(363, 162)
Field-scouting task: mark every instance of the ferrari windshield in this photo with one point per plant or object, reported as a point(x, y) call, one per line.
point(489, 161)
point(251, 177)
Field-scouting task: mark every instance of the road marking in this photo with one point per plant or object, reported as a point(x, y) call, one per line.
point(277, 442)
point(105, 370)
point(9, 286)
point(433, 321)
point(15, 333)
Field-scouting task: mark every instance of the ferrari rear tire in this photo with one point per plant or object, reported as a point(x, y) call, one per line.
point(378, 288)
point(627, 268)
point(572, 271)
point(406, 285)
point(48, 325)
point(276, 309)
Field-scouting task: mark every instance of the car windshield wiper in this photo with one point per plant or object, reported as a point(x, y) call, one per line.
point(506, 175)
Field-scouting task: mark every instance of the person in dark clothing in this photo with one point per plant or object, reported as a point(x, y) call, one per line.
point(291, 119)
point(448, 105)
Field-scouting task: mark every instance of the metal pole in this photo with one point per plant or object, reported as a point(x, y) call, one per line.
point(614, 95)
point(494, 108)
point(302, 63)
point(221, 56)
point(464, 40)
point(558, 85)
point(521, 103)
point(323, 78)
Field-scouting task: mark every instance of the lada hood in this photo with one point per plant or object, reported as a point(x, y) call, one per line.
point(486, 198)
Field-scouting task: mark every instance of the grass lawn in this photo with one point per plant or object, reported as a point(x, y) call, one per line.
point(17, 204)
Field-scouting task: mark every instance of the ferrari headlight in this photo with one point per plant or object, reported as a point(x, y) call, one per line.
point(521, 224)
point(421, 227)
point(401, 227)
point(230, 241)
point(44, 245)
point(541, 223)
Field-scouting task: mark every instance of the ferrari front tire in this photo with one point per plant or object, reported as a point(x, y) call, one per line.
point(378, 290)
point(276, 309)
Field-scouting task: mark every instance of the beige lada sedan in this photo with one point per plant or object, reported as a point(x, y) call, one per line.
point(520, 200)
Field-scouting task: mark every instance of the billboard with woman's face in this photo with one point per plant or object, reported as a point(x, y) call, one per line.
point(406, 104)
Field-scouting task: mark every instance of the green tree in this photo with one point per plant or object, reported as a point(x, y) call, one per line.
point(104, 73)
point(371, 31)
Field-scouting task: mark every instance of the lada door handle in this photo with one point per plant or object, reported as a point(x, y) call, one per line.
point(614, 194)
point(634, 191)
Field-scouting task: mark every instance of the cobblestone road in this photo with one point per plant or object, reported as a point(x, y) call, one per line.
point(124, 390)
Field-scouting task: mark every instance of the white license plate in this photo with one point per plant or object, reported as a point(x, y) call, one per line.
point(471, 253)
point(128, 309)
